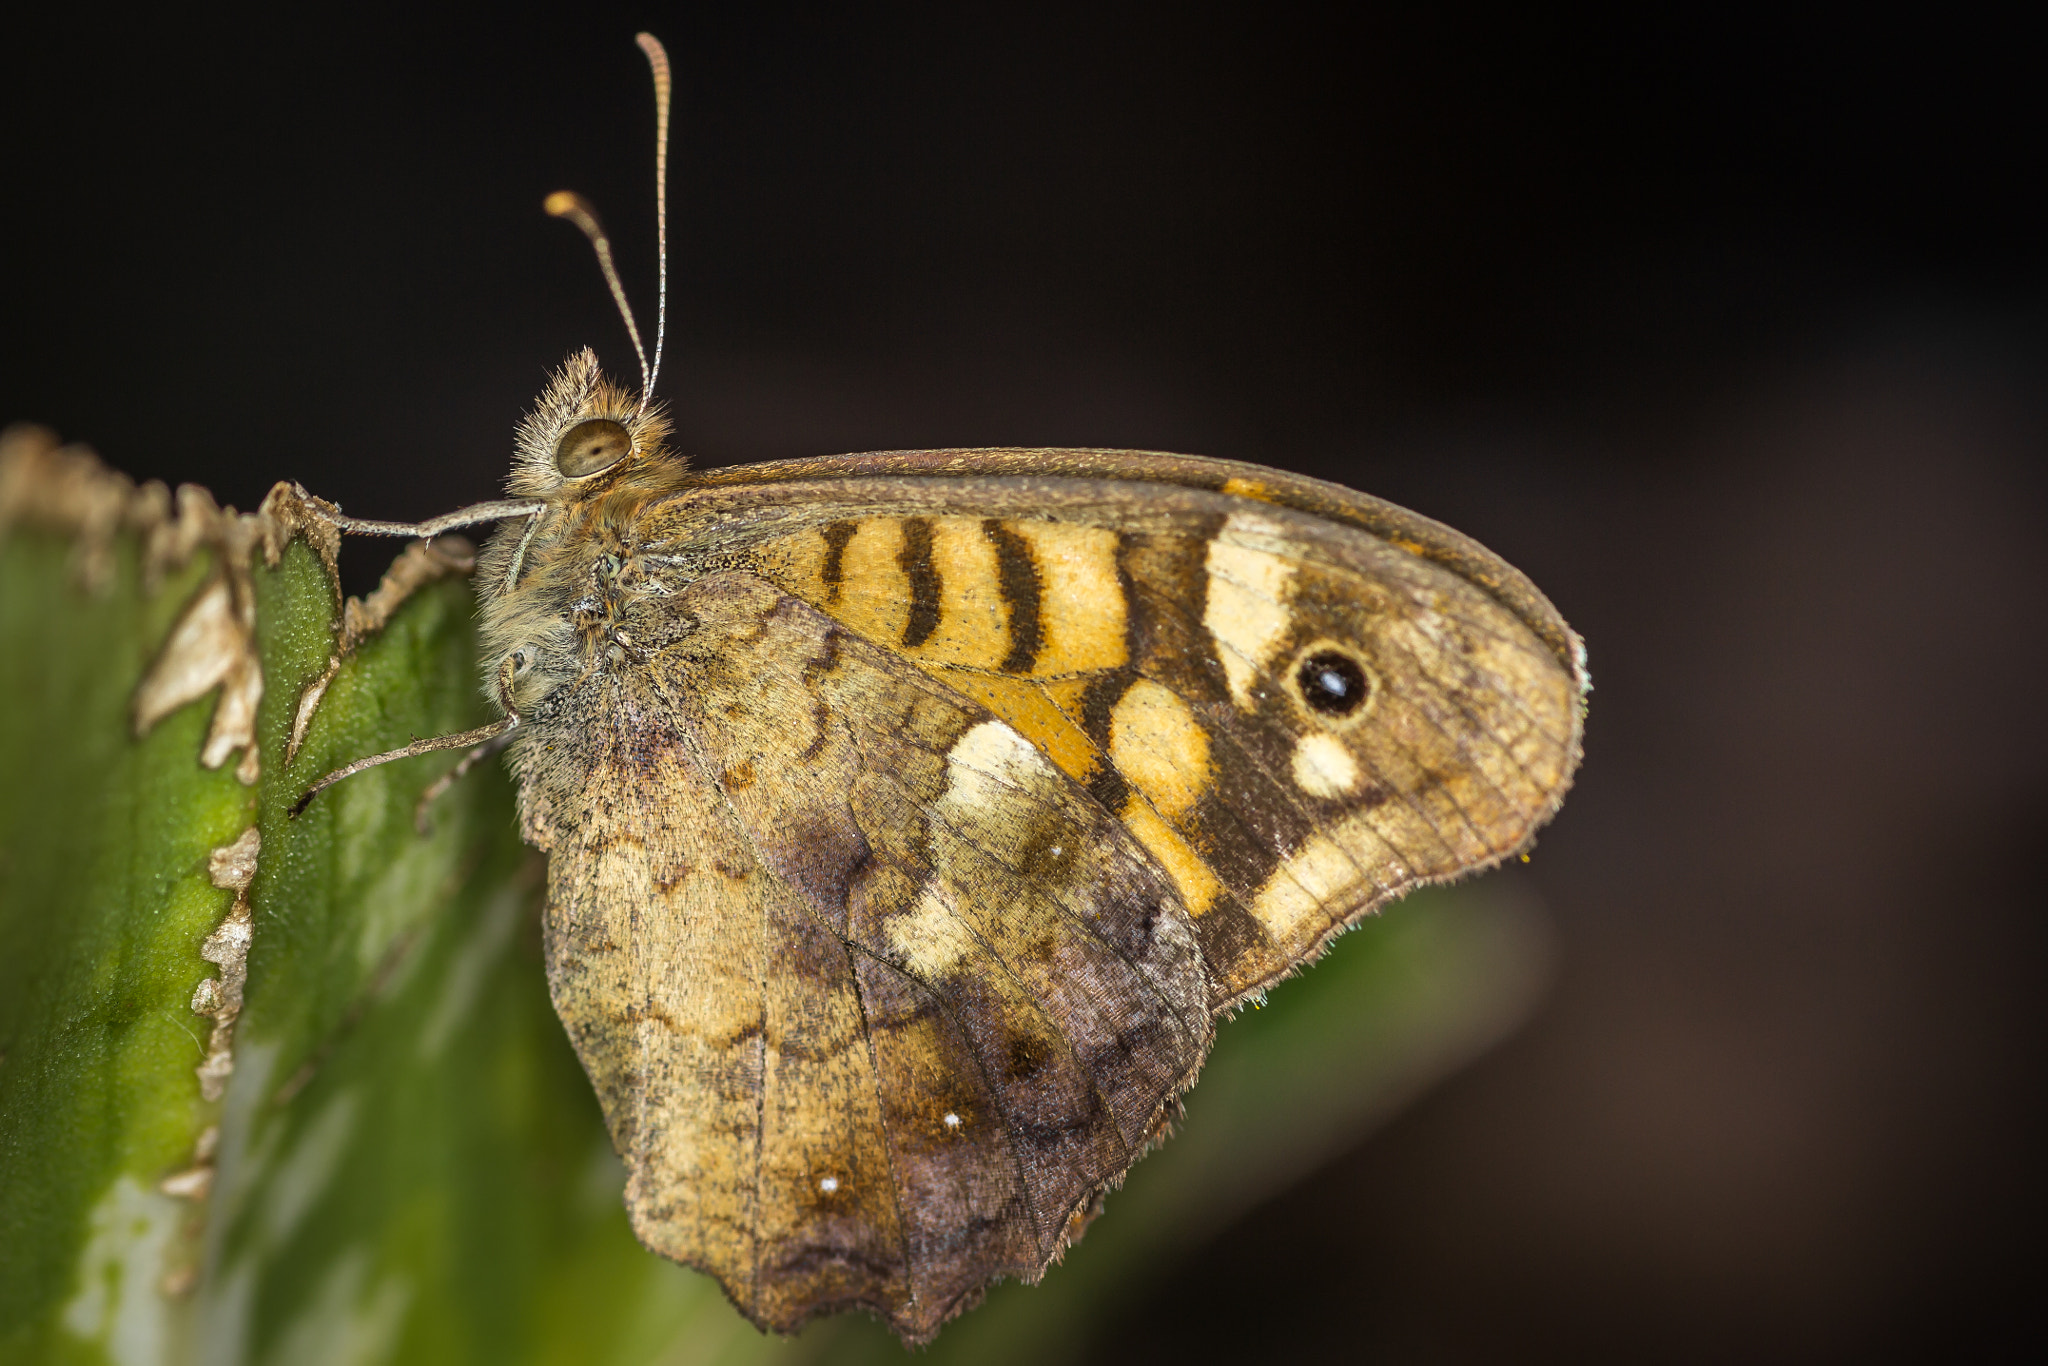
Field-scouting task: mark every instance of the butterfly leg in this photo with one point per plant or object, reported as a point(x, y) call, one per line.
point(482, 738)
point(498, 510)
point(495, 745)
point(422, 563)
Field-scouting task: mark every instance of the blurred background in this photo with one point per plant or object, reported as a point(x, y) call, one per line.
point(1729, 329)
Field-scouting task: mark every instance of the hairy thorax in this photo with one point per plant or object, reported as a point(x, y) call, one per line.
point(583, 600)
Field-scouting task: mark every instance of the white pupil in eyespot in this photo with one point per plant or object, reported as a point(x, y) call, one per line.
point(1332, 683)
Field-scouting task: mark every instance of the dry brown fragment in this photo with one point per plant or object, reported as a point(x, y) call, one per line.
point(66, 487)
point(232, 867)
point(194, 1183)
point(288, 511)
point(196, 522)
point(149, 516)
point(212, 645)
point(197, 656)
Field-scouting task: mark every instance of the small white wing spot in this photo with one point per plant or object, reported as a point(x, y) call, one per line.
point(1324, 767)
point(951, 1121)
point(829, 1184)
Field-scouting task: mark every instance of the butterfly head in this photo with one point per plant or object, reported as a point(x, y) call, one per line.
point(587, 435)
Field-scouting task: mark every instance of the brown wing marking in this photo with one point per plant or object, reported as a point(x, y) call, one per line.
point(993, 914)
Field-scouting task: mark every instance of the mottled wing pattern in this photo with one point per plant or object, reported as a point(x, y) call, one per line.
point(1175, 652)
point(876, 999)
point(697, 991)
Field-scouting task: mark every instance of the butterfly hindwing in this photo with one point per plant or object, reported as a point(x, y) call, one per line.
point(680, 967)
point(876, 999)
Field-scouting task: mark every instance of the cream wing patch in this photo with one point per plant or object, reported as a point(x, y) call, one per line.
point(1246, 607)
point(930, 936)
point(988, 763)
point(1328, 870)
point(1296, 892)
point(1325, 767)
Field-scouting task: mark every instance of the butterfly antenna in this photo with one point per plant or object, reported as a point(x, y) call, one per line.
point(574, 207)
point(657, 58)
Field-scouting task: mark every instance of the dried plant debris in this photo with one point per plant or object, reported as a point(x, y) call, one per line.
point(67, 490)
point(195, 1182)
point(231, 868)
point(143, 1221)
point(212, 646)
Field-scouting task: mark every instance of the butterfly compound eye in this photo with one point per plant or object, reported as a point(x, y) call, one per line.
point(589, 447)
point(1331, 683)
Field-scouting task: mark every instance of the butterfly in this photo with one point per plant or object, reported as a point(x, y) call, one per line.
point(912, 817)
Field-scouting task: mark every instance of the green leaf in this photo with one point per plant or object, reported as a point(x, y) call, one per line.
point(407, 1163)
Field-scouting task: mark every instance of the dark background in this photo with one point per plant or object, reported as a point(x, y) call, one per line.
point(1729, 330)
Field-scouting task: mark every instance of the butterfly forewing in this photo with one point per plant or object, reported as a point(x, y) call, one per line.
point(1173, 651)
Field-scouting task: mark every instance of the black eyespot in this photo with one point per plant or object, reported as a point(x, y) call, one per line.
point(589, 447)
point(1332, 683)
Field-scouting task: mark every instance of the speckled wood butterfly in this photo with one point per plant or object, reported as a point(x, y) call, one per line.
point(911, 817)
